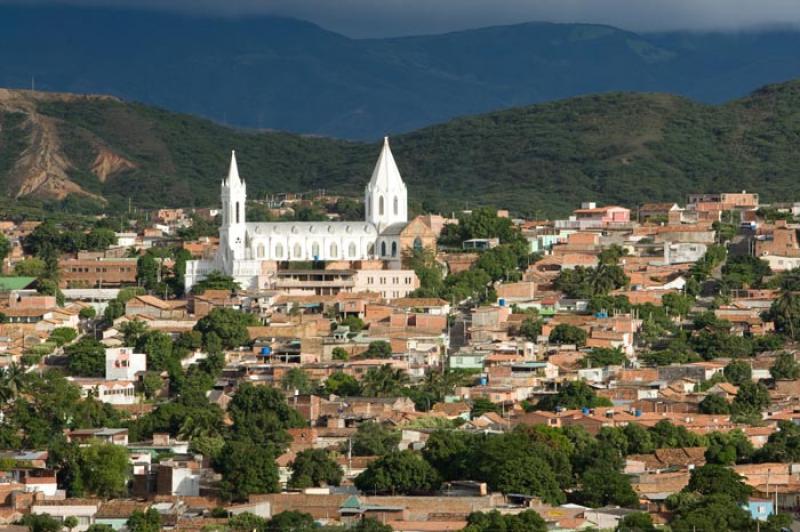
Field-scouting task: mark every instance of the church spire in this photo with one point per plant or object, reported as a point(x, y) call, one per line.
point(233, 171)
point(385, 175)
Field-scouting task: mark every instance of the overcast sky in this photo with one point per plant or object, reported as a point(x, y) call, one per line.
point(375, 18)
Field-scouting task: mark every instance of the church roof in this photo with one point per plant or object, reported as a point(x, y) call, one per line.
point(353, 228)
point(394, 229)
point(386, 175)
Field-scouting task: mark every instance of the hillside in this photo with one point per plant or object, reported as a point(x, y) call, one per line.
point(275, 73)
point(544, 159)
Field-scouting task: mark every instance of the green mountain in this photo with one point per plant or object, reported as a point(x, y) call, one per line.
point(622, 148)
point(290, 75)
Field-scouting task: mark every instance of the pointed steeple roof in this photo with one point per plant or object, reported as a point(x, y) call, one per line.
point(233, 171)
point(385, 175)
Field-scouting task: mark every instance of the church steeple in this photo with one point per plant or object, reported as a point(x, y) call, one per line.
point(385, 198)
point(234, 198)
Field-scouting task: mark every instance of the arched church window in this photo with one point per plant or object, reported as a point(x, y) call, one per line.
point(315, 250)
point(334, 250)
point(396, 206)
point(351, 250)
point(380, 206)
point(237, 212)
point(371, 250)
point(260, 251)
point(418, 244)
point(383, 249)
point(298, 251)
point(279, 251)
point(394, 249)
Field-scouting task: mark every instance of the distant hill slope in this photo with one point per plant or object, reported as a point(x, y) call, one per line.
point(623, 148)
point(276, 73)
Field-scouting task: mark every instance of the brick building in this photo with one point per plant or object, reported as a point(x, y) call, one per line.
point(97, 273)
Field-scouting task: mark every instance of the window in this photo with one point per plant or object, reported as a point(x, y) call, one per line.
point(315, 250)
point(383, 249)
point(396, 206)
point(237, 212)
point(380, 206)
point(418, 244)
point(298, 251)
point(394, 249)
point(371, 250)
point(279, 251)
point(351, 250)
point(260, 251)
point(334, 250)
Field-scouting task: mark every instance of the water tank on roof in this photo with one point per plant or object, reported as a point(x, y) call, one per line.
point(585, 410)
point(484, 380)
point(637, 413)
point(501, 301)
point(601, 314)
point(266, 351)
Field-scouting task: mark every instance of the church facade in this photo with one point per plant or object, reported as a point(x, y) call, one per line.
point(248, 249)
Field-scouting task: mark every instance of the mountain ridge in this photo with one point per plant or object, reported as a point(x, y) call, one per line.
point(279, 73)
point(540, 160)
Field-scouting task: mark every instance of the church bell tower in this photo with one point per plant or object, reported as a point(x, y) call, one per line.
point(385, 198)
point(233, 231)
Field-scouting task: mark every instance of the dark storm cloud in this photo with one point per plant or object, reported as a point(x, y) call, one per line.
point(406, 17)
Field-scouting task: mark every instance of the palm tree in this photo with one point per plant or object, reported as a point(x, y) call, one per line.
point(785, 310)
point(12, 382)
point(383, 381)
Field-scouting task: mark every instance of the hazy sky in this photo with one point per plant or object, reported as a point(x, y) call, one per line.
point(361, 18)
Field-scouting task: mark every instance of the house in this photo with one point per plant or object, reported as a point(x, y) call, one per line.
point(122, 363)
point(156, 308)
point(84, 510)
point(113, 392)
point(106, 435)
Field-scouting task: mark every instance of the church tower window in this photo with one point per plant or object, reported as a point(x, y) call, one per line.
point(418, 244)
point(396, 206)
point(237, 212)
point(394, 249)
point(383, 249)
point(380, 206)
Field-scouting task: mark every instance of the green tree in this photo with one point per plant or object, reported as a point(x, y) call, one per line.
point(87, 313)
point(529, 475)
point(728, 448)
point(572, 395)
point(782, 445)
point(158, 348)
point(5, 247)
point(374, 439)
point(261, 415)
point(567, 334)
point(530, 329)
point(379, 349)
point(148, 272)
point(448, 451)
point(494, 521)
point(714, 404)
point(714, 479)
point(636, 522)
point(140, 521)
point(603, 356)
point(785, 311)
point(215, 281)
point(246, 468)
point(86, 358)
point(403, 472)
point(30, 267)
point(481, 405)
point(229, 325)
point(785, 367)
point(677, 304)
point(296, 379)
point(339, 353)
point(751, 397)
point(341, 384)
point(738, 372)
point(714, 512)
point(314, 467)
point(602, 485)
point(291, 521)
point(63, 335)
point(383, 381)
point(41, 523)
point(247, 522)
point(355, 323)
point(132, 331)
point(105, 469)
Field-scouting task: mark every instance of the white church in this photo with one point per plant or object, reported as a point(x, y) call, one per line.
point(247, 249)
